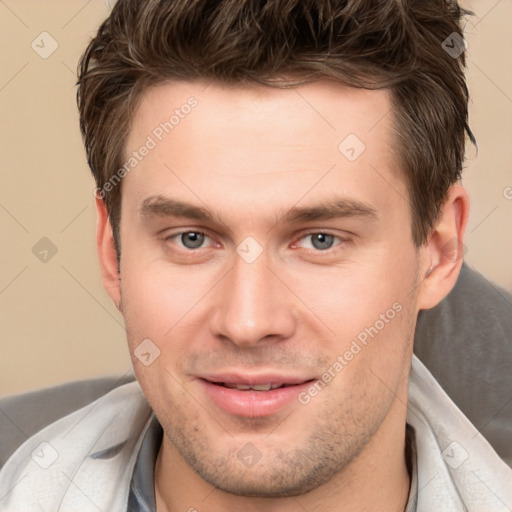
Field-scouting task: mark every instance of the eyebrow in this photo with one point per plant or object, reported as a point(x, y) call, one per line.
point(330, 209)
point(161, 206)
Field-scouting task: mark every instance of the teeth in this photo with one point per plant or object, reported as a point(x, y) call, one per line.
point(256, 387)
point(262, 387)
point(241, 387)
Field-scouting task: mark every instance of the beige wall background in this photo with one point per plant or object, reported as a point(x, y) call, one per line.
point(56, 322)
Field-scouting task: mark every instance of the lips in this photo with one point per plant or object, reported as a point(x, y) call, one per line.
point(253, 396)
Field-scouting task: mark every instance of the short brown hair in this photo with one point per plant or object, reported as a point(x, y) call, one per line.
point(396, 44)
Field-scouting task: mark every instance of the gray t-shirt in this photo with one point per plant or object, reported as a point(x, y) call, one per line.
point(142, 487)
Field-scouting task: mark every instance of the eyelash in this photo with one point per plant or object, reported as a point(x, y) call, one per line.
point(341, 240)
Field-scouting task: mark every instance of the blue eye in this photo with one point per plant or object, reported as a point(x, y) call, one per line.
point(319, 241)
point(191, 239)
point(322, 241)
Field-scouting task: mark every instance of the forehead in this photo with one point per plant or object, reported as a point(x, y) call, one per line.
point(313, 116)
point(252, 144)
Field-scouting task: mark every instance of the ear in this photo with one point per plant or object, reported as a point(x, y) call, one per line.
point(107, 253)
point(443, 253)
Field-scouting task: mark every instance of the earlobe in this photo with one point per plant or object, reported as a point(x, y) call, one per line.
point(107, 253)
point(444, 251)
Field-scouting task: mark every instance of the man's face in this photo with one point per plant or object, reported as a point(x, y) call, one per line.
point(301, 267)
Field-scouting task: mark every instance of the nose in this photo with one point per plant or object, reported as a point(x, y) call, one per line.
point(253, 306)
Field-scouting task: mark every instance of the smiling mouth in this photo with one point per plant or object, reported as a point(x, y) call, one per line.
point(253, 396)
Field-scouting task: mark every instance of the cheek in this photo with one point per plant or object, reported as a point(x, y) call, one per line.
point(348, 298)
point(157, 295)
point(378, 355)
point(168, 306)
point(367, 315)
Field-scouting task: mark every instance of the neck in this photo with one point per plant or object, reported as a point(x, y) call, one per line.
point(377, 479)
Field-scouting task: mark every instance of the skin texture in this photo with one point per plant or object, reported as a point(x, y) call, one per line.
point(248, 155)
